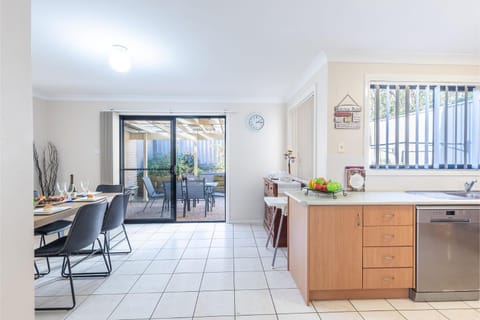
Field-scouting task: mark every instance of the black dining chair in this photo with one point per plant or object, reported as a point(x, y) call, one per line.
point(57, 227)
point(110, 188)
point(114, 218)
point(85, 230)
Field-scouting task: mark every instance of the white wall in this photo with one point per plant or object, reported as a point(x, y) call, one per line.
point(316, 83)
point(16, 172)
point(351, 78)
point(40, 131)
point(74, 127)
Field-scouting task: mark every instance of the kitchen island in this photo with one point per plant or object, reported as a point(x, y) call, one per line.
point(357, 246)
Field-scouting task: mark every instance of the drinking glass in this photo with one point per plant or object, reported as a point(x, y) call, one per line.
point(84, 185)
point(61, 188)
point(69, 190)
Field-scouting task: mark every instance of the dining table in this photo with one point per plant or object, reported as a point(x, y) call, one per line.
point(70, 208)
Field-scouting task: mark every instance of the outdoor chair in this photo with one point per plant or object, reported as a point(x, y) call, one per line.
point(195, 190)
point(85, 230)
point(180, 195)
point(152, 194)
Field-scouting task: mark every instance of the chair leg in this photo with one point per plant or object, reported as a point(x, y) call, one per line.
point(126, 238)
point(72, 290)
point(146, 204)
point(90, 274)
point(41, 274)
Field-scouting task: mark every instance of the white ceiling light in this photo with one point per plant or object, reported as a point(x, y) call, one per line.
point(119, 58)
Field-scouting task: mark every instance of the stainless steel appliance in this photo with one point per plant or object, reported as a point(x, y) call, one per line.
point(447, 253)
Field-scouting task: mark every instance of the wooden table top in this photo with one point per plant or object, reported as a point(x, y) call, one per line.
point(44, 219)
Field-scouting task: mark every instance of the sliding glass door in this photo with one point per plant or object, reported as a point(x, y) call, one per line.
point(174, 168)
point(147, 167)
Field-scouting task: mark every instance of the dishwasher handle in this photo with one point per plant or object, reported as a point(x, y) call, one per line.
point(451, 220)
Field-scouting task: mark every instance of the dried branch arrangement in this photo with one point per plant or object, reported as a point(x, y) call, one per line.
point(46, 168)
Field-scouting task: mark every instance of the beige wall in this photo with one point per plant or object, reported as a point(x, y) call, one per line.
point(351, 78)
point(74, 127)
point(16, 171)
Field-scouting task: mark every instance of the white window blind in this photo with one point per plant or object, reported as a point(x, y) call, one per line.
point(424, 126)
point(301, 137)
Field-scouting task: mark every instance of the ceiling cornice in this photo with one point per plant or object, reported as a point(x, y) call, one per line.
point(157, 99)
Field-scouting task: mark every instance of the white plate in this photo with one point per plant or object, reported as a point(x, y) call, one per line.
point(357, 181)
point(41, 211)
point(85, 199)
point(84, 194)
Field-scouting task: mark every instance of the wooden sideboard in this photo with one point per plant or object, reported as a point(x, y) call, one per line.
point(274, 188)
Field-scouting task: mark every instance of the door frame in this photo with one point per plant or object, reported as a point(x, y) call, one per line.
point(173, 151)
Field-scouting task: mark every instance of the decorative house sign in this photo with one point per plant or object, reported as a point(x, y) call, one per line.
point(347, 115)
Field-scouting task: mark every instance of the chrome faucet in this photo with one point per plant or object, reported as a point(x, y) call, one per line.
point(469, 185)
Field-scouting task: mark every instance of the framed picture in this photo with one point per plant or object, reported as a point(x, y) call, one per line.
point(355, 178)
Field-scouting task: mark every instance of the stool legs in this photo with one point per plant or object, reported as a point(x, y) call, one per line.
point(272, 225)
point(278, 238)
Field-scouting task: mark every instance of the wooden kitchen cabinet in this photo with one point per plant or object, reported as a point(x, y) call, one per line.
point(351, 251)
point(335, 264)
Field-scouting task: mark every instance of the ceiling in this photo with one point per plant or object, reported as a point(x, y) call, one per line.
point(234, 50)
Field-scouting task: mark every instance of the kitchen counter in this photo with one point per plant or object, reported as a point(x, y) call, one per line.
point(380, 198)
point(357, 246)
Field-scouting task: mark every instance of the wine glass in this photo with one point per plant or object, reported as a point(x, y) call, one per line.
point(84, 185)
point(61, 188)
point(69, 190)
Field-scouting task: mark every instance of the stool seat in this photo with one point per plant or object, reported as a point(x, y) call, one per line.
point(277, 203)
point(51, 228)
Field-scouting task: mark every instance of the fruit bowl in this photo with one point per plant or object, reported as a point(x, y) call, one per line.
point(319, 192)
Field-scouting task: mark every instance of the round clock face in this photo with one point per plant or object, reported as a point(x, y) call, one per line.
point(255, 121)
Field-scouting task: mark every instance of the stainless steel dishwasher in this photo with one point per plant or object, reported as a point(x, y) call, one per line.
point(447, 253)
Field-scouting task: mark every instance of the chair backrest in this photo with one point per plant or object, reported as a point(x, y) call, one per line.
point(85, 227)
point(110, 188)
point(168, 190)
point(148, 185)
point(196, 189)
point(115, 214)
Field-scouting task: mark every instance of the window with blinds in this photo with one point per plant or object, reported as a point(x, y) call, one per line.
point(424, 126)
point(301, 137)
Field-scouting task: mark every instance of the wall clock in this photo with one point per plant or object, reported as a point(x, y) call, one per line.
point(255, 121)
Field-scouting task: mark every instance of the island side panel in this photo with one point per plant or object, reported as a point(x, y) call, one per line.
point(298, 246)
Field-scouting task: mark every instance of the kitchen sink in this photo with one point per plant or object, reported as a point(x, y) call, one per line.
point(449, 194)
point(464, 194)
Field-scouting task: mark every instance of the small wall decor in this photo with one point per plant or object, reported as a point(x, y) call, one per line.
point(347, 114)
point(355, 178)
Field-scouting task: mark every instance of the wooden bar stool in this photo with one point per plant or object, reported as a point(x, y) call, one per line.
point(276, 203)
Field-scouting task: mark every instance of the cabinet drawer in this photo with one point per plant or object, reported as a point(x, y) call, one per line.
point(388, 215)
point(388, 236)
point(388, 278)
point(387, 257)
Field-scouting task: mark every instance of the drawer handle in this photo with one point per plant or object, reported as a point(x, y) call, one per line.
point(388, 216)
point(389, 257)
point(388, 278)
point(388, 236)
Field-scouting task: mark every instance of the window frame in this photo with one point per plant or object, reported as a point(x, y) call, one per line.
point(412, 78)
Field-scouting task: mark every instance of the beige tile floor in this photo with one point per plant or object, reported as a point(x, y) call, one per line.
point(213, 271)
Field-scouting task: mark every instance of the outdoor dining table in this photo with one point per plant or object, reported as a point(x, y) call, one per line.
point(42, 219)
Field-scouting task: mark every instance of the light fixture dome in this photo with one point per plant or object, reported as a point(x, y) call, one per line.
point(119, 58)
